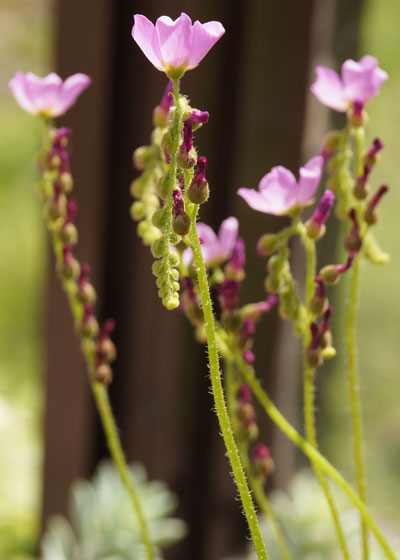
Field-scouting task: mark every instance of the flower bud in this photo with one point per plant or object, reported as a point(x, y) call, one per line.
point(313, 350)
point(318, 300)
point(372, 154)
point(352, 240)
point(85, 292)
point(262, 460)
point(181, 222)
point(66, 182)
point(272, 283)
point(315, 225)
point(198, 190)
point(142, 156)
point(371, 211)
point(330, 274)
point(360, 189)
point(69, 267)
point(267, 244)
point(331, 144)
point(231, 320)
point(103, 374)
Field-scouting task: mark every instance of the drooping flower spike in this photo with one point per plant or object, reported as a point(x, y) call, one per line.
point(48, 96)
point(360, 83)
point(215, 249)
point(175, 46)
point(279, 191)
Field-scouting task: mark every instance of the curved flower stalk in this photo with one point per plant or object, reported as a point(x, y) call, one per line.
point(182, 190)
point(50, 97)
point(360, 83)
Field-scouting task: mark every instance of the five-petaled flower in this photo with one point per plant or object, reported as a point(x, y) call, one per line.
point(175, 46)
point(360, 83)
point(216, 249)
point(48, 96)
point(279, 193)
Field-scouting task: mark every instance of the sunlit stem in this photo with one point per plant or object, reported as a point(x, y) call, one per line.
point(219, 399)
point(254, 483)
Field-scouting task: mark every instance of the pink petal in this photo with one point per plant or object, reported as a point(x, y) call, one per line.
point(227, 236)
point(363, 79)
point(258, 201)
point(175, 39)
point(43, 91)
point(310, 176)
point(209, 242)
point(17, 86)
point(70, 91)
point(279, 187)
point(145, 35)
point(204, 36)
point(329, 90)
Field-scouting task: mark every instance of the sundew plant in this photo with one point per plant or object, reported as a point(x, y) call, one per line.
point(200, 272)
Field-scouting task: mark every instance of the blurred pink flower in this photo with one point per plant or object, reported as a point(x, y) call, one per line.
point(48, 96)
point(279, 192)
point(360, 81)
point(215, 249)
point(175, 46)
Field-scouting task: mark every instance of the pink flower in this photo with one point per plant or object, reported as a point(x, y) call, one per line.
point(48, 96)
point(360, 81)
point(215, 249)
point(279, 192)
point(175, 46)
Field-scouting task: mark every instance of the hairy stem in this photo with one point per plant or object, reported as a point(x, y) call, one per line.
point(352, 369)
point(313, 454)
point(354, 392)
point(308, 393)
point(219, 399)
point(254, 483)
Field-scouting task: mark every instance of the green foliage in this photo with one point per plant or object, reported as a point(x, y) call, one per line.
point(103, 523)
point(306, 522)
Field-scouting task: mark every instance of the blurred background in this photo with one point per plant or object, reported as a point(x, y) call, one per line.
point(255, 84)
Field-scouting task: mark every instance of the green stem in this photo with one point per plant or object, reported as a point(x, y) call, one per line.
point(117, 454)
point(354, 391)
point(106, 416)
point(254, 482)
point(313, 454)
point(308, 392)
point(219, 399)
point(100, 394)
point(352, 369)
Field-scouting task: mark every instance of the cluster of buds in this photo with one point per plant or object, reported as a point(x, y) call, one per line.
point(105, 352)
point(160, 209)
point(61, 212)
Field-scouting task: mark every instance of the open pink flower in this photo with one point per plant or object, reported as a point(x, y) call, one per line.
point(215, 249)
point(279, 192)
point(360, 81)
point(175, 46)
point(48, 96)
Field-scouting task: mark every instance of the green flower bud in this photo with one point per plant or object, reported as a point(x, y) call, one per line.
point(267, 244)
